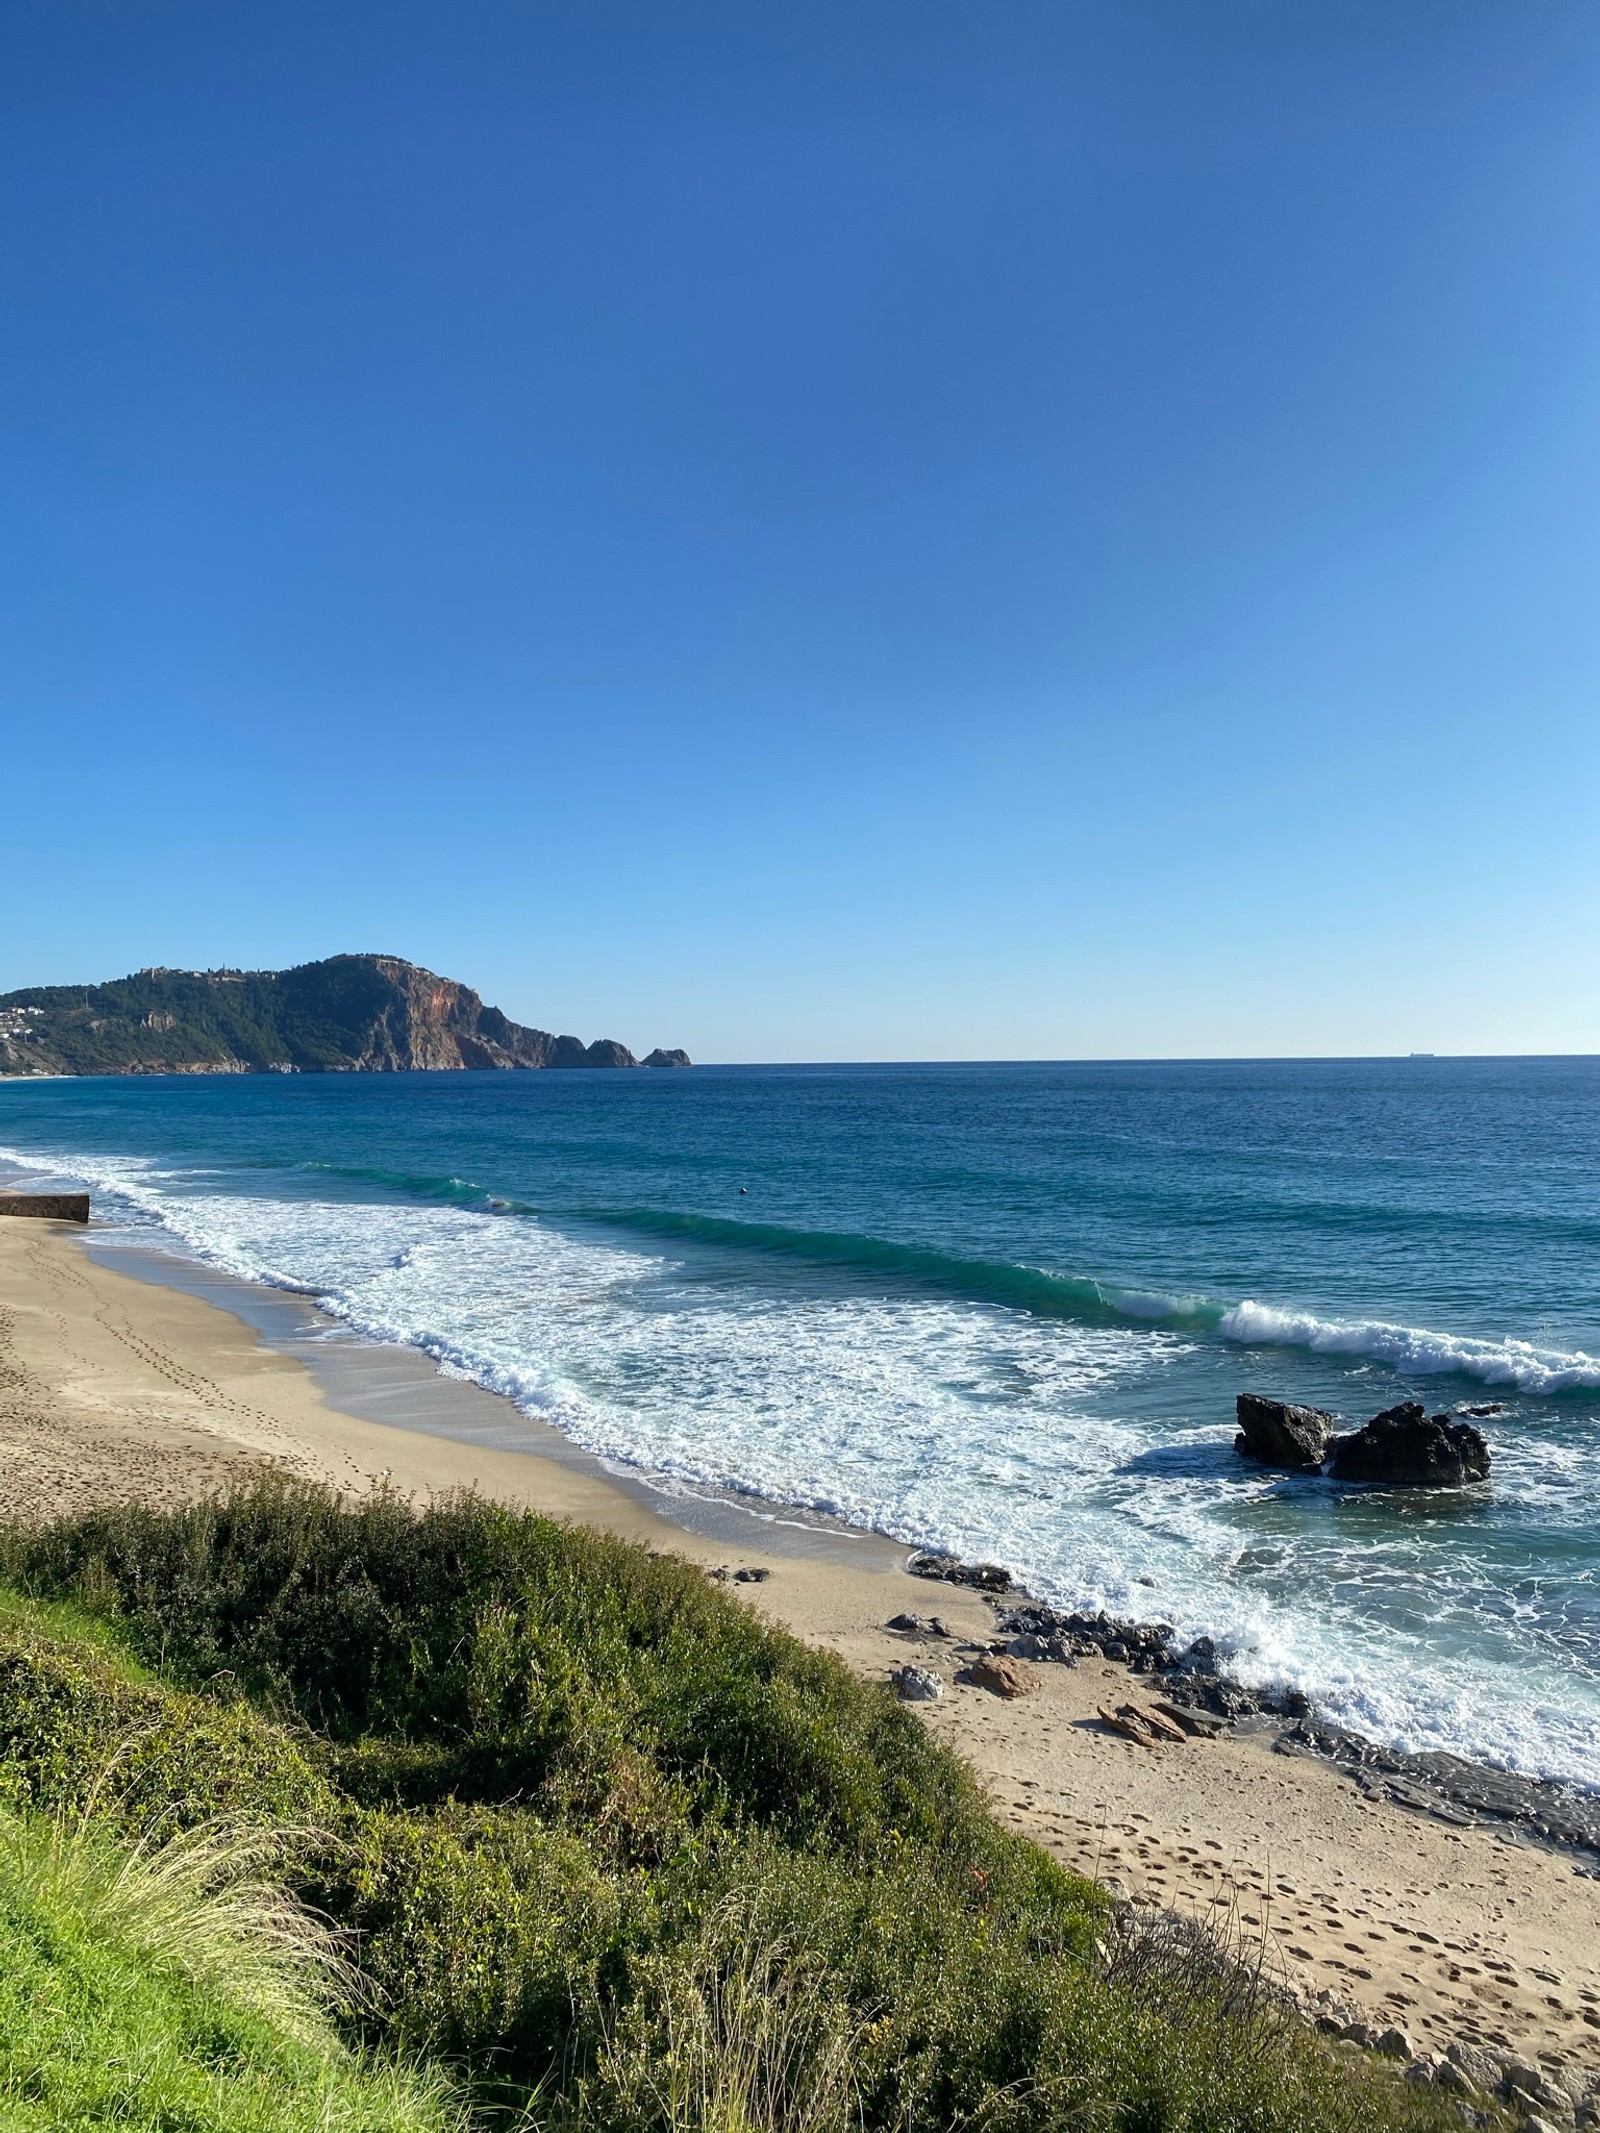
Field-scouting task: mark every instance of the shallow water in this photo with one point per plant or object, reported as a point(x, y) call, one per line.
point(1003, 1309)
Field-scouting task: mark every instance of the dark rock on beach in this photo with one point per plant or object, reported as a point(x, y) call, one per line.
point(47, 1206)
point(1276, 1433)
point(1202, 1725)
point(1039, 1632)
point(1408, 1446)
point(917, 1625)
point(983, 1577)
point(1454, 1790)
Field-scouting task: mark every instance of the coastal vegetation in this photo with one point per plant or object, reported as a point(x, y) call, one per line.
point(462, 1817)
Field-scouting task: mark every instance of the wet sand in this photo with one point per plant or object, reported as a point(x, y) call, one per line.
point(116, 1384)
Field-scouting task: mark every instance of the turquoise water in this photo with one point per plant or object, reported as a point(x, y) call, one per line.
point(1002, 1309)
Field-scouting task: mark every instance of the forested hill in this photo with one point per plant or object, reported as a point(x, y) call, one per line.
point(349, 1014)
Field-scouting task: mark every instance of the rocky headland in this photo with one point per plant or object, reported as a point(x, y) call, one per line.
point(349, 1014)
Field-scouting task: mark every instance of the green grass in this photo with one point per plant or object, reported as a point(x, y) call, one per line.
point(608, 1847)
point(72, 1622)
point(151, 1991)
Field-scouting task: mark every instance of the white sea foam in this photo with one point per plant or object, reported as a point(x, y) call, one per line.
point(1413, 1351)
point(989, 1431)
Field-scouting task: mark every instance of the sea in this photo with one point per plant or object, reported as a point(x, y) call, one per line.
point(1002, 1310)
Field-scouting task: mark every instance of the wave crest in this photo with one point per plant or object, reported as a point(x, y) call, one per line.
point(1413, 1351)
point(1019, 1288)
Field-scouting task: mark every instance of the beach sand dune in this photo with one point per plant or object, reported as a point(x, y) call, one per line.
point(113, 1387)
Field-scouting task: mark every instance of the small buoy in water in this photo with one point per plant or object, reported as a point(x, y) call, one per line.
point(743, 1189)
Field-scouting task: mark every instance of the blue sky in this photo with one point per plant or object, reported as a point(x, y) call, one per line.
point(874, 530)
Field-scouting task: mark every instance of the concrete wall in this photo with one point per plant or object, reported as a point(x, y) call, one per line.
point(53, 1206)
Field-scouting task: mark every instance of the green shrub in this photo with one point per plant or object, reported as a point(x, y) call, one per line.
point(76, 1726)
point(481, 1929)
point(783, 1988)
point(520, 1657)
point(626, 1856)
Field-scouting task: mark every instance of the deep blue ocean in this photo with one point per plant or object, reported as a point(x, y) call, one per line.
point(1000, 1309)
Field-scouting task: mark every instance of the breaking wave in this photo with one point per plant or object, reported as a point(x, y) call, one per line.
point(1413, 1351)
point(1075, 1429)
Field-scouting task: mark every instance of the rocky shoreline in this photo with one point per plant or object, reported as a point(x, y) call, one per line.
point(1179, 1691)
point(1196, 1696)
point(1405, 1447)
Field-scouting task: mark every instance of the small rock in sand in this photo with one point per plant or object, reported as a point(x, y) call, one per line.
point(917, 1684)
point(1206, 1725)
point(1002, 1676)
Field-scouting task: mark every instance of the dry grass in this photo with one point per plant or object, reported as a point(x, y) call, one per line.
point(748, 2035)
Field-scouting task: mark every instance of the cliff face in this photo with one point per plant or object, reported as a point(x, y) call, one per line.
point(373, 1014)
point(395, 1017)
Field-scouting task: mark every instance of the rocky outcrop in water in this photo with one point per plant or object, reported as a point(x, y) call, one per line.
point(1276, 1433)
point(1405, 1445)
point(666, 1059)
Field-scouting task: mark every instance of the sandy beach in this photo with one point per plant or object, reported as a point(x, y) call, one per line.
point(114, 1387)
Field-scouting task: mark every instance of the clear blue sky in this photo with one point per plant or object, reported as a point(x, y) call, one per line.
point(879, 529)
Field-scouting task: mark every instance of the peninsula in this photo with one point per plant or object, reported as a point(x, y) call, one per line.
point(349, 1014)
